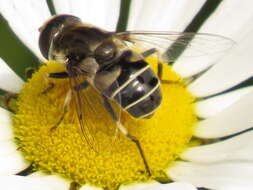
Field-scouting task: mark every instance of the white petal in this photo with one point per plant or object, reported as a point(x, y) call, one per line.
point(149, 186)
point(234, 119)
point(12, 163)
point(25, 17)
point(102, 13)
point(233, 69)
point(235, 26)
point(158, 186)
point(38, 174)
point(237, 187)
point(7, 147)
point(236, 66)
point(218, 176)
point(5, 125)
point(11, 160)
point(213, 106)
point(162, 15)
point(203, 51)
point(236, 148)
point(31, 183)
point(9, 80)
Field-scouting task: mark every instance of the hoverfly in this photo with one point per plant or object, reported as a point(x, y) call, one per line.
point(107, 62)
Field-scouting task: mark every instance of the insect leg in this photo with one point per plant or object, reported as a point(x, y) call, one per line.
point(67, 100)
point(50, 87)
point(8, 99)
point(81, 86)
point(149, 52)
point(74, 186)
point(58, 75)
point(110, 110)
point(29, 72)
point(65, 109)
point(159, 64)
point(137, 143)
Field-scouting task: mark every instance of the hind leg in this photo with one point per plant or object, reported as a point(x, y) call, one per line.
point(68, 97)
point(160, 66)
point(149, 52)
point(59, 75)
point(123, 130)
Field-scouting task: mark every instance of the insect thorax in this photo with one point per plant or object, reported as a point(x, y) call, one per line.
point(78, 42)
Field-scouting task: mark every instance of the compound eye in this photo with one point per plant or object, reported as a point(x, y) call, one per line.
point(105, 52)
point(49, 29)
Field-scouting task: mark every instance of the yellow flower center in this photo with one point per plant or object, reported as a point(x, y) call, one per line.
point(63, 151)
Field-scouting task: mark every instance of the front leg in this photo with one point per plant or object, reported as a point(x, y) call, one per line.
point(58, 75)
point(66, 104)
point(125, 132)
point(63, 75)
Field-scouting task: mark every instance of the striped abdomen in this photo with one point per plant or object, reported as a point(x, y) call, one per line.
point(138, 88)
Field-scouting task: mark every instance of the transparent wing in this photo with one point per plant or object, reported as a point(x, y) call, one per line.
point(97, 127)
point(171, 45)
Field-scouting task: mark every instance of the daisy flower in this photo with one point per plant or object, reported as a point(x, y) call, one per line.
point(200, 137)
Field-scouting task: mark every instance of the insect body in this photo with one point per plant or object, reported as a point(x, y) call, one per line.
point(105, 61)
